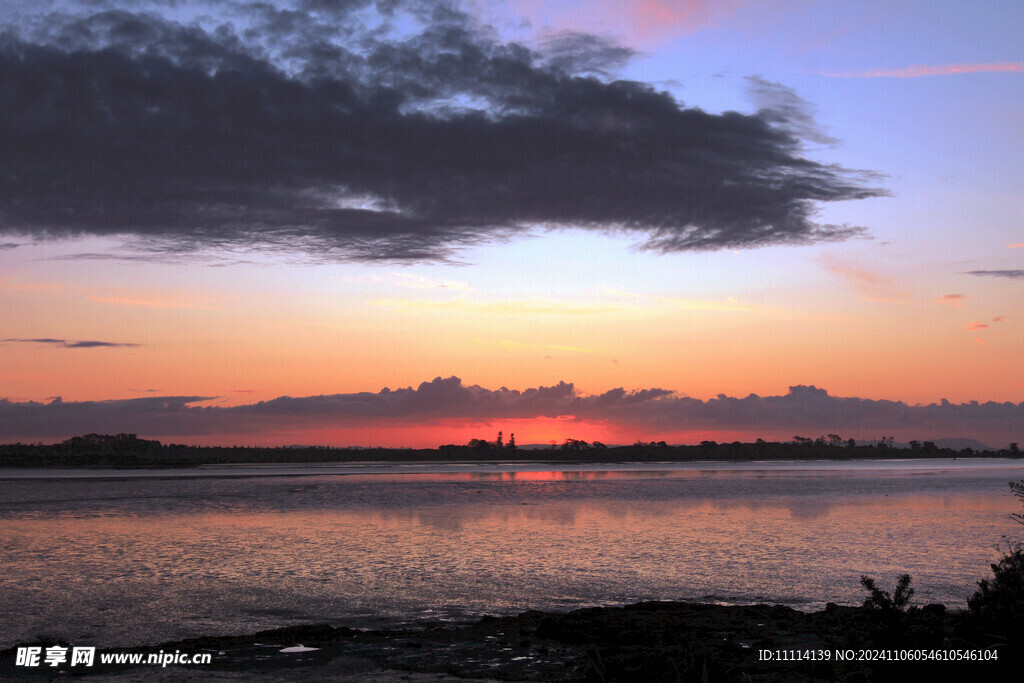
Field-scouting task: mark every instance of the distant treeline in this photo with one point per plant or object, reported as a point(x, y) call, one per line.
point(129, 451)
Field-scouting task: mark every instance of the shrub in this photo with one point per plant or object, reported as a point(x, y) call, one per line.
point(881, 600)
point(998, 604)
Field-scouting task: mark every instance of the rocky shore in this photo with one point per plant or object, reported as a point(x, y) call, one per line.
point(657, 641)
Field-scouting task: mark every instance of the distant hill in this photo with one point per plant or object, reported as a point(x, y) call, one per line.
point(952, 443)
point(958, 444)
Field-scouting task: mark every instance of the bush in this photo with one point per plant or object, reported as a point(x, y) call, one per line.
point(998, 604)
point(881, 600)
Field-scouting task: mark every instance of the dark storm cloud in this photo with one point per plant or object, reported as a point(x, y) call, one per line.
point(1012, 274)
point(68, 344)
point(376, 130)
point(803, 410)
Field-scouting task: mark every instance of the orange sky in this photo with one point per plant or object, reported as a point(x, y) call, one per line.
point(909, 291)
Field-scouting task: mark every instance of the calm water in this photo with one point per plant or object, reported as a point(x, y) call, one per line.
point(108, 558)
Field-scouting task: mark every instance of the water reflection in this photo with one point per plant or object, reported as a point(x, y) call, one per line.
point(145, 561)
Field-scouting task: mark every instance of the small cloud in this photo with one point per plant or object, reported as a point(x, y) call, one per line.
point(871, 285)
point(977, 325)
point(95, 344)
point(858, 275)
point(150, 300)
point(999, 318)
point(920, 70)
point(979, 340)
point(1012, 274)
point(8, 245)
point(1015, 245)
point(68, 344)
point(952, 299)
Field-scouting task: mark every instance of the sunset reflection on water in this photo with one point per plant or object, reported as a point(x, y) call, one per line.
point(145, 560)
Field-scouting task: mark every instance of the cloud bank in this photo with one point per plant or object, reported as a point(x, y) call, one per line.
point(802, 410)
point(396, 130)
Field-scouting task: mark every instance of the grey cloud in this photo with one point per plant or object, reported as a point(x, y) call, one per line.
point(1012, 274)
point(68, 344)
point(578, 53)
point(318, 127)
point(803, 410)
point(59, 419)
point(781, 106)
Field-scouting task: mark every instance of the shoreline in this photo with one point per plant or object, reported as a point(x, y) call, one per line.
point(642, 641)
point(233, 470)
point(127, 452)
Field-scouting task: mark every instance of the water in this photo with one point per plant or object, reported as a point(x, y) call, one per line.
point(118, 558)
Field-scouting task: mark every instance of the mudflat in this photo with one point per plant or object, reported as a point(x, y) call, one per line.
point(654, 641)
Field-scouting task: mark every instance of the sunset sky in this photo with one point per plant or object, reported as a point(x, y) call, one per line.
point(279, 222)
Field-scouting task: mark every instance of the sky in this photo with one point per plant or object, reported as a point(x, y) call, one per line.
point(409, 223)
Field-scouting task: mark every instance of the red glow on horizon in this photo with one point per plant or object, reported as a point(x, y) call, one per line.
point(428, 435)
point(528, 432)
